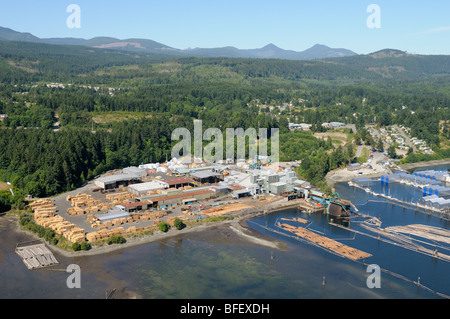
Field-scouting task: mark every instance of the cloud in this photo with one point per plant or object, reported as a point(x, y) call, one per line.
point(434, 30)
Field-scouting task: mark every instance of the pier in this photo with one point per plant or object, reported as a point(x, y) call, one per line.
point(35, 255)
point(394, 236)
point(395, 201)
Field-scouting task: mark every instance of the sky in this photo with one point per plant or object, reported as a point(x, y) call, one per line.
point(420, 27)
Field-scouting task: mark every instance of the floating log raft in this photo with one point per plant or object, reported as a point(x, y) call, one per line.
point(296, 219)
point(36, 255)
point(424, 231)
point(325, 242)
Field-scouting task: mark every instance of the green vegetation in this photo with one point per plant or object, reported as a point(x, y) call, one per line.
point(163, 226)
point(179, 224)
point(118, 109)
point(83, 246)
point(26, 222)
point(116, 240)
point(364, 156)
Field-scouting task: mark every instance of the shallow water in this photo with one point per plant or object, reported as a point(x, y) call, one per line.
point(212, 264)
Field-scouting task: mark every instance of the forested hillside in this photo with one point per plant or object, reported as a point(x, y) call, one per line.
point(133, 102)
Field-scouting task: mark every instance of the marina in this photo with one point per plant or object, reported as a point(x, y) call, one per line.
point(442, 207)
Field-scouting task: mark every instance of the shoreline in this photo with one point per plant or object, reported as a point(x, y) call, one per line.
point(336, 178)
point(411, 166)
point(238, 225)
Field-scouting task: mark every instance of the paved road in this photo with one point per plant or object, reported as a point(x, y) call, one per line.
point(405, 137)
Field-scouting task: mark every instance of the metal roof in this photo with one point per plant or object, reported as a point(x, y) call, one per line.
point(184, 195)
point(146, 186)
point(117, 178)
point(113, 215)
point(204, 174)
point(178, 180)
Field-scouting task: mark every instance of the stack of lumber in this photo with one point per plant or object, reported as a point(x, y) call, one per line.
point(105, 233)
point(85, 204)
point(131, 229)
point(47, 222)
point(61, 227)
point(222, 210)
point(75, 235)
point(40, 202)
point(43, 208)
point(82, 200)
point(73, 211)
point(212, 210)
point(149, 216)
point(119, 198)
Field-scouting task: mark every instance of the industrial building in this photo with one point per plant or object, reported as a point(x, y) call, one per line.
point(409, 178)
point(441, 204)
point(363, 181)
point(426, 200)
point(439, 190)
point(117, 212)
point(171, 200)
point(239, 193)
point(144, 188)
point(433, 175)
point(277, 187)
point(114, 181)
point(137, 206)
point(206, 177)
point(176, 182)
point(140, 172)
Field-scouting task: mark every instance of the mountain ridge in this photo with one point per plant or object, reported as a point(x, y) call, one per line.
point(270, 51)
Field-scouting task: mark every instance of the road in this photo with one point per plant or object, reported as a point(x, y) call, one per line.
point(405, 137)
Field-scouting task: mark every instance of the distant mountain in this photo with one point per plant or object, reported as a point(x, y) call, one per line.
point(270, 51)
point(389, 53)
point(11, 35)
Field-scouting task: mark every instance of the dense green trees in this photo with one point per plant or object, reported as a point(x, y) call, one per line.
point(167, 93)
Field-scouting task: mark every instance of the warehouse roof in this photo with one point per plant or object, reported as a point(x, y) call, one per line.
point(178, 180)
point(113, 215)
point(146, 186)
point(204, 174)
point(278, 184)
point(184, 195)
point(117, 178)
point(137, 204)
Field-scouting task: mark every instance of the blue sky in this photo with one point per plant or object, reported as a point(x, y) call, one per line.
point(421, 27)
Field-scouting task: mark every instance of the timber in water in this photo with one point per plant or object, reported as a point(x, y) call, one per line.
point(325, 242)
point(35, 255)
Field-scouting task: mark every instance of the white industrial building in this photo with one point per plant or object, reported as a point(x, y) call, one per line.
point(143, 188)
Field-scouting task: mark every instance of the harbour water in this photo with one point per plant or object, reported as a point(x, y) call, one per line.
point(216, 264)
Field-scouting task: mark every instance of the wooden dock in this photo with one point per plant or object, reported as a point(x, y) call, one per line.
point(35, 255)
point(325, 242)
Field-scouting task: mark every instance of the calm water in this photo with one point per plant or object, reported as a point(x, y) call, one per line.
point(207, 265)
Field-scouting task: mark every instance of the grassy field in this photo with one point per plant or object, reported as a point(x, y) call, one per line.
point(364, 156)
point(108, 117)
point(4, 186)
point(338, 137)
